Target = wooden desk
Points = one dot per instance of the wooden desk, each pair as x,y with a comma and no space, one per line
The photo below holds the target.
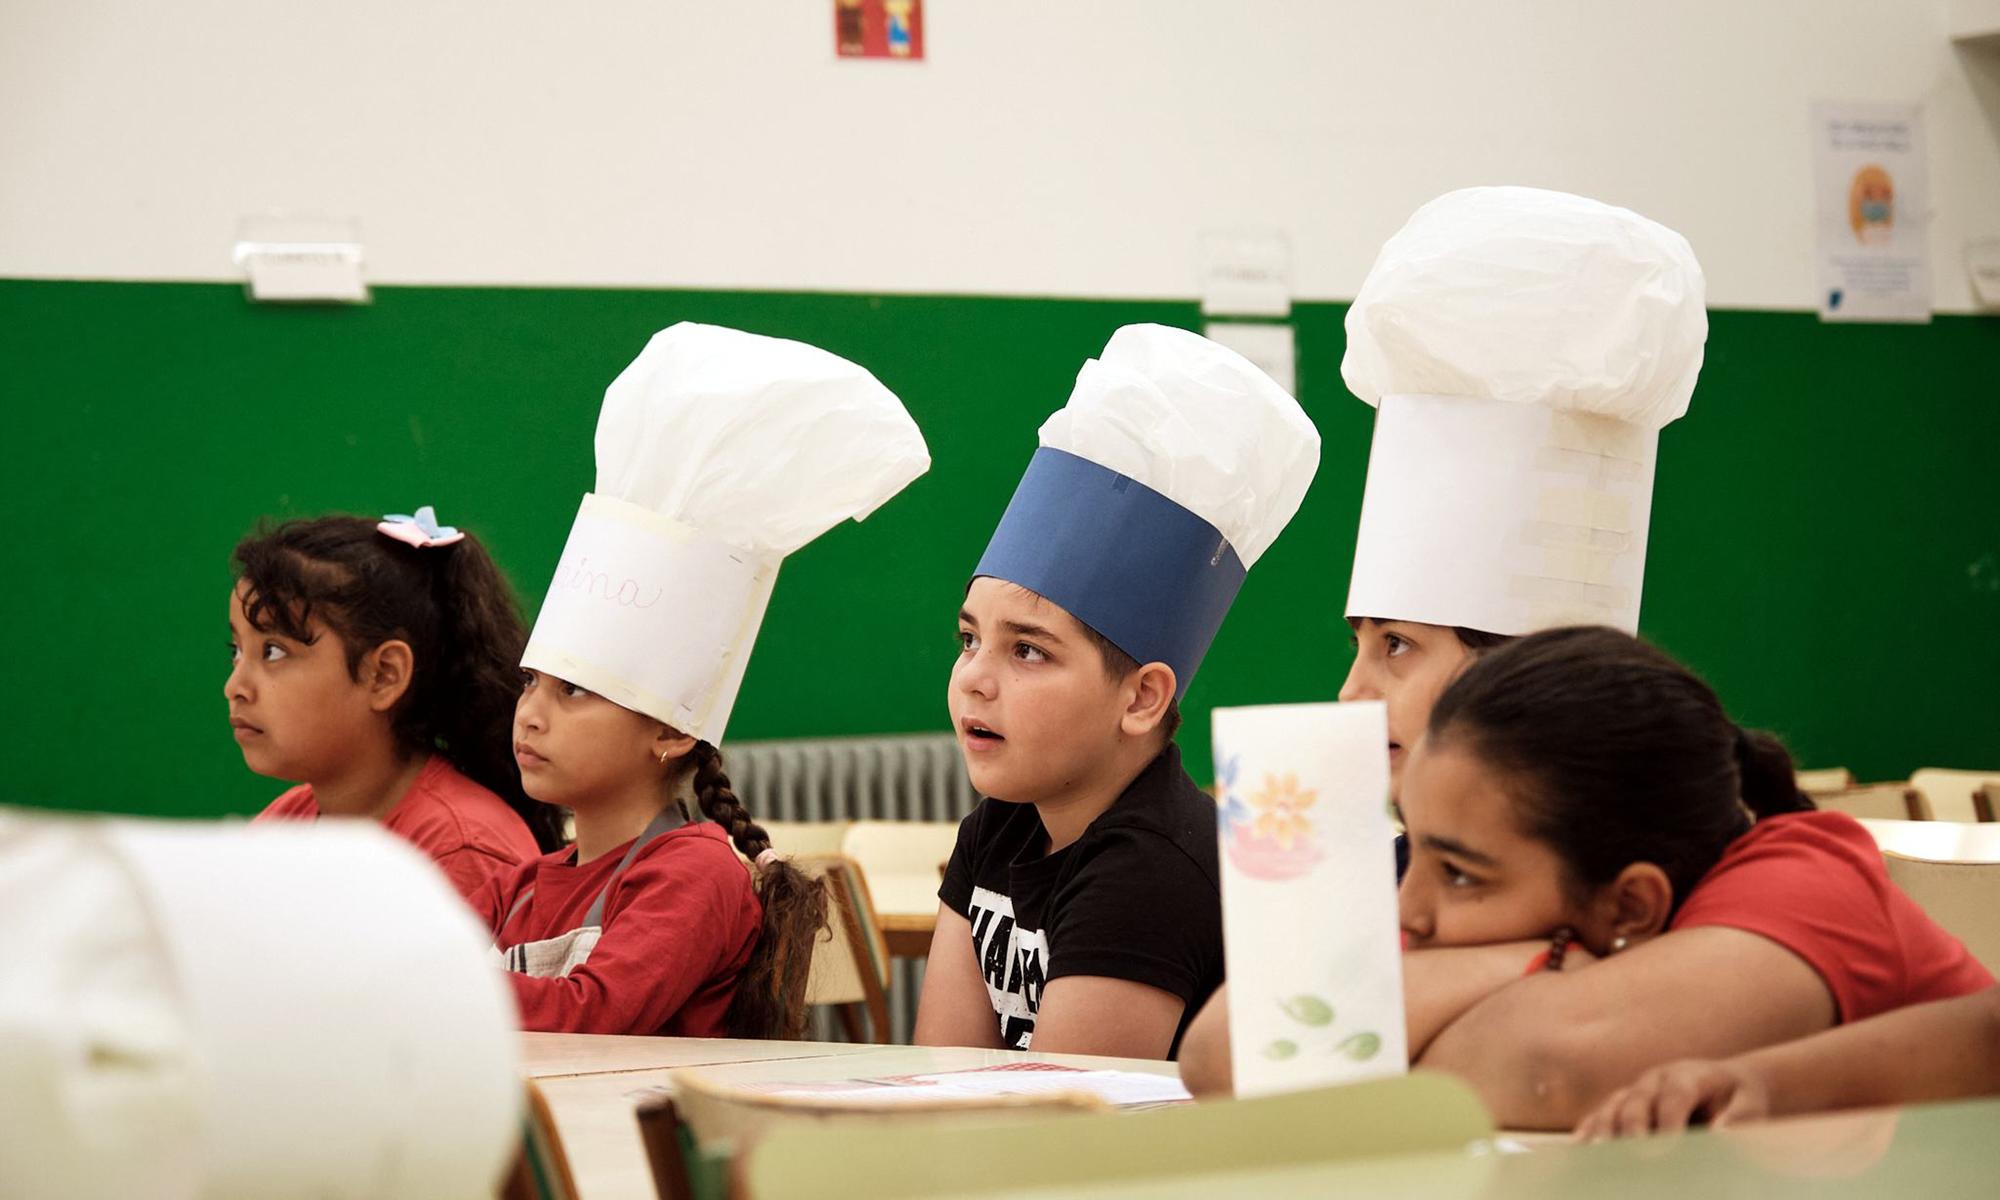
906,905
1946,1150
908,935
1942,841
594,1112
546,1055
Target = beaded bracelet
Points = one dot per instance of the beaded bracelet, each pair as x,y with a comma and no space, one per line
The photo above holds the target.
1551,957
1559,946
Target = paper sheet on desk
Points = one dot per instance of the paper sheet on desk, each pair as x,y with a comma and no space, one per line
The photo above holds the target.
1123,1089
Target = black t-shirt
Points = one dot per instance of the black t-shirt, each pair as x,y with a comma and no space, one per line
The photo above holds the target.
1136,897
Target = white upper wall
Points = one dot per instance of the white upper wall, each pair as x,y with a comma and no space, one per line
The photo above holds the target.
1046,148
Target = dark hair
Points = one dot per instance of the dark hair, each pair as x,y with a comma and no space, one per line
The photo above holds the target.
1615,753
450,603
770,996
1474,640
1118,664
1478,639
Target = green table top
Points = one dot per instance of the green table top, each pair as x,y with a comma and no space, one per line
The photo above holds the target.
1934,1150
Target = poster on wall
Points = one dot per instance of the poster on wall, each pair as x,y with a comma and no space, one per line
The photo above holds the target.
879,29
1872,193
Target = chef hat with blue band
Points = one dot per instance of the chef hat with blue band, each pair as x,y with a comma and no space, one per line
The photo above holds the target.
1174,466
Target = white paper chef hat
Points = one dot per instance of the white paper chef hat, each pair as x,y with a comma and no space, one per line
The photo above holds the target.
718,454
195,1009
1174,466
1523,349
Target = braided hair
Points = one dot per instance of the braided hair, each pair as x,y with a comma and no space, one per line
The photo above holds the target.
770,997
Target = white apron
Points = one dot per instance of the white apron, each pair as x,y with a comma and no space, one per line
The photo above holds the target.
553,958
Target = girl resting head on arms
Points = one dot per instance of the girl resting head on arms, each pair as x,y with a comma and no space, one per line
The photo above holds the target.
1581,790
1607,873
1583,781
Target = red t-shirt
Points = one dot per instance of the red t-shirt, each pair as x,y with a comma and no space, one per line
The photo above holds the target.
1814,883
467,830
678,927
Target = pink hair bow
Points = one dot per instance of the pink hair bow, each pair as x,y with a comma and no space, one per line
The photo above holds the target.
421,530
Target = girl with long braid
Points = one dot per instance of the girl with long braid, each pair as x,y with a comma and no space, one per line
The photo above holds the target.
718,454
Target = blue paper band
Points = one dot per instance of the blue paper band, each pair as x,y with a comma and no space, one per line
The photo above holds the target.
1152,577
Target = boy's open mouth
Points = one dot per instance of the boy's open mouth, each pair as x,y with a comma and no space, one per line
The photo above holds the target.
980,731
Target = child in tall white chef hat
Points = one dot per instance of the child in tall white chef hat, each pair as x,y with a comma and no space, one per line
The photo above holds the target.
1523,349
718,454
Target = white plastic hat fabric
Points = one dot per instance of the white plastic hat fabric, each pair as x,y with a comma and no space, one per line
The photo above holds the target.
756,441
1523,348
1532,297
220,1011
1199,424
718,453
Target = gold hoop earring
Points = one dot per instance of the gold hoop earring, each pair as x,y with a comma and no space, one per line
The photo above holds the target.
664,756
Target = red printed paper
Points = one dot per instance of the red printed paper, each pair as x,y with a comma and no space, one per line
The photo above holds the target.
879,29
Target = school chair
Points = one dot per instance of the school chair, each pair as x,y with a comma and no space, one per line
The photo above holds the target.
806,837
681,1169
1954,795
1962,897
904,862
541,1171
1162,1147
850,967
917,849
903,849
1882,801
1940,841
696,1141
1825,779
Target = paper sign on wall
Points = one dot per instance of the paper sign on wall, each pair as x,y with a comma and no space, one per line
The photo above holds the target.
1310,931
295,258
879,29
1245,273
1872,193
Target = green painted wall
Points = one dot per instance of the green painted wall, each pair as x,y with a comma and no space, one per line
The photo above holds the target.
1825,546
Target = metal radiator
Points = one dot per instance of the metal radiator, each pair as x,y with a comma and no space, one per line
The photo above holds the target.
905,777
901,777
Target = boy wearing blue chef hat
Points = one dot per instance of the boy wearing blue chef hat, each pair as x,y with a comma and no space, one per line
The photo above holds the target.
1080,910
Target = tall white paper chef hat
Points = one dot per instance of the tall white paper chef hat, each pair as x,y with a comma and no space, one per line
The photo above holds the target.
718,454
288,1010
1174,466
1523,349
